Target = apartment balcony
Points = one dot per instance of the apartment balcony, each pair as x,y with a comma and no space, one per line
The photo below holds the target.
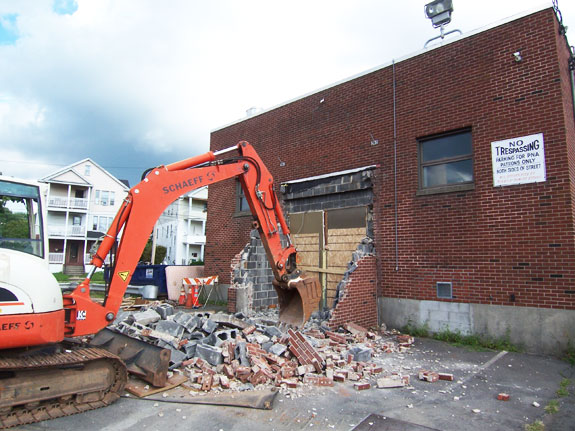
88,258
67,231
56,202
193,215
56,258
194,239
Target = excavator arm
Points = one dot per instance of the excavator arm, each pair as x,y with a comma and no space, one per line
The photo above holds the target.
298,296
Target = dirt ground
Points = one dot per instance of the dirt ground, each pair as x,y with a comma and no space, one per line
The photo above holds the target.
469,402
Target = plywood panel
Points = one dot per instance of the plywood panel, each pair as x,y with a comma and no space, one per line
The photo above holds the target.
307,246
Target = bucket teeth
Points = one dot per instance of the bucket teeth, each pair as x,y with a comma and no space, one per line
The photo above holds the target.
298,299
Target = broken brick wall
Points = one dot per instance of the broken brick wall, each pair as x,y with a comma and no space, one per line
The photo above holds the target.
335,202
357,300
251,270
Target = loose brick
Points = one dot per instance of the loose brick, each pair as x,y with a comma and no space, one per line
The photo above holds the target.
317,380
362,386
249,330
207,380
503,397
445,376
338,377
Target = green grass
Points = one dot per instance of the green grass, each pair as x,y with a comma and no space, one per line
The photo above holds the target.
61,277
535,426
563,390
472,341
415,330
98,277
552,407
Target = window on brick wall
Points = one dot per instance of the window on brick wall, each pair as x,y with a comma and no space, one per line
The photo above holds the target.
445,162
242,206
444,289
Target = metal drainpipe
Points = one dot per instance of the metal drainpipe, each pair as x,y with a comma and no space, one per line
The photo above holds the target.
395,170
573,85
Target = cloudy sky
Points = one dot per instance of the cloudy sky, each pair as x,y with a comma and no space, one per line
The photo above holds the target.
137,83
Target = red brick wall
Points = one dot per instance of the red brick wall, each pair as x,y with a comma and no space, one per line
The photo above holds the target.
358,304
492,243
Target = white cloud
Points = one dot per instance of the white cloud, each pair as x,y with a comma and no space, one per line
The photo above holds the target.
137,83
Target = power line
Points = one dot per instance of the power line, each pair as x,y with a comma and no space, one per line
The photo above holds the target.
62,165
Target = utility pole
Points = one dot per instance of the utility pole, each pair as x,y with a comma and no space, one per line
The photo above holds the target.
154,235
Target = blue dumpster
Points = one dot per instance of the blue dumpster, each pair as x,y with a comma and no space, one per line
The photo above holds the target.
146,275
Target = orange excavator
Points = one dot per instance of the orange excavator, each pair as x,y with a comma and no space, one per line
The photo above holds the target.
46,368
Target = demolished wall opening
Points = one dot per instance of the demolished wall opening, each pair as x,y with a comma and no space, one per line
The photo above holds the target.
331,223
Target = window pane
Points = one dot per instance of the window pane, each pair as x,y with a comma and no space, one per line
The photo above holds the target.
448,173
446,147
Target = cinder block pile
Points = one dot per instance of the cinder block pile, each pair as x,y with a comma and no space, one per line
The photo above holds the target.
221,351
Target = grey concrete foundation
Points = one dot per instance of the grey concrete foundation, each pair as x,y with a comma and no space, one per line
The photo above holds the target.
537,330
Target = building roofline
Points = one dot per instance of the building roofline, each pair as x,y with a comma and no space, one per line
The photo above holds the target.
331,174
70,167
535,9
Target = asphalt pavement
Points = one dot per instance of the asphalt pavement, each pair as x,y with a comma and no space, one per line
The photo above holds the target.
469,402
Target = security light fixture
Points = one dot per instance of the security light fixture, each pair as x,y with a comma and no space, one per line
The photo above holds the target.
439,12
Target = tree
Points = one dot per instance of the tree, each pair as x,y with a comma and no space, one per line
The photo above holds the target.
147,253
12,225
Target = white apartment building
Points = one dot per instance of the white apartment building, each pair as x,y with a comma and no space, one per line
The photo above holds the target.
82,200
182,228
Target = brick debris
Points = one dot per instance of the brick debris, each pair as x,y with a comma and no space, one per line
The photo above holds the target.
220,351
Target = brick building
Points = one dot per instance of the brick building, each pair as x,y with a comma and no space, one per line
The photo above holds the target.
438,189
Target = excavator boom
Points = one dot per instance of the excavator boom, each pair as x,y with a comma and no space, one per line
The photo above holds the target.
298,295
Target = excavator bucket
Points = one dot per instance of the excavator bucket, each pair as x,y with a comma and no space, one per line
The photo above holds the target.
298,299
144,360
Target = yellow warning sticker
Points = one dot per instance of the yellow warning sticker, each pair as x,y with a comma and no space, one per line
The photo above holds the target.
124,275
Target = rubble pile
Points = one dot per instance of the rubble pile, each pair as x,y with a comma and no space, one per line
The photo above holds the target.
221,351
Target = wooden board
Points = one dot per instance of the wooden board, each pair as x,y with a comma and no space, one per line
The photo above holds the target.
142,389
341,244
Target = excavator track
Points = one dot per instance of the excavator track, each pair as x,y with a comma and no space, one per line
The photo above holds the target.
37,387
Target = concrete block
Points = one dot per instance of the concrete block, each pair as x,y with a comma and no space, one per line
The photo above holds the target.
190,348
177,356
278,349
273,331
360,353
146,317
211,354
187,320
170,327
390,382
260,338
209,326
164,310
240,352
123,316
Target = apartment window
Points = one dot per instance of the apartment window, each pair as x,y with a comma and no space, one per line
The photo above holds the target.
77,221
101,223
446,162
241,201
87,169
104,197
